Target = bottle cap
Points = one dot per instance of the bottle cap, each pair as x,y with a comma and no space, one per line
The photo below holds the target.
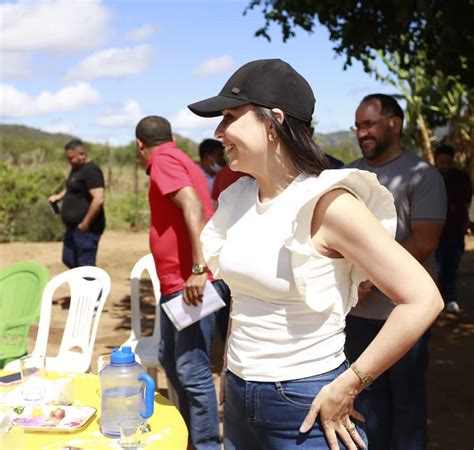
124,356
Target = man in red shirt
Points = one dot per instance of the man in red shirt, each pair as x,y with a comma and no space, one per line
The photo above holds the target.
223,179
180,205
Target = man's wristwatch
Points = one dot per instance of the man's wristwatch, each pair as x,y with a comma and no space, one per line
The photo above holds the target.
199,269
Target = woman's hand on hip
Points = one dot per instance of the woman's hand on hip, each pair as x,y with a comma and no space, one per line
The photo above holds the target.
334,405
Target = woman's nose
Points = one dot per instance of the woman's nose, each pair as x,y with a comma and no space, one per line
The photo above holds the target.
219,133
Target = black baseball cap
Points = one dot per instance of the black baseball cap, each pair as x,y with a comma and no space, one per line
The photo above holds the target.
271,83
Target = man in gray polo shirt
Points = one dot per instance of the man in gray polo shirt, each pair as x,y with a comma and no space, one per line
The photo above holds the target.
395,404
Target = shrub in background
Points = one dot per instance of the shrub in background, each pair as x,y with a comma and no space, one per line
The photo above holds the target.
124,210
20,189
38,223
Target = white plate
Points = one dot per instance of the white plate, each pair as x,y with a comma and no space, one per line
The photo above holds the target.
38,418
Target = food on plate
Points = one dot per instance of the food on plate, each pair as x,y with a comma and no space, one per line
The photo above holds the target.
58,413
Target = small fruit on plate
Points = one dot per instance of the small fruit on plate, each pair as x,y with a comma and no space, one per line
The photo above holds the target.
58,413
19,409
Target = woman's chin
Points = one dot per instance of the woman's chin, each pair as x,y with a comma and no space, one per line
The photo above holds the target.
234,165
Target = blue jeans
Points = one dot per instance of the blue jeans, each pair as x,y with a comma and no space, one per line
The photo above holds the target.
222,320
394,405
185,356
268,415
448,256
80,247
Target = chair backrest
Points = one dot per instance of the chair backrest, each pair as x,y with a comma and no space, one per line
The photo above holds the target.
144,263
89,287
21,288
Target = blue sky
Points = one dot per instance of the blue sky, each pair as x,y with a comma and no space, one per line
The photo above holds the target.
93,68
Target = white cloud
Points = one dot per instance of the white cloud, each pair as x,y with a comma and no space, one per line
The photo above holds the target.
140,33
186,120
112,141
214,66
112,63
127,115
15,103
186,123
60,127
115,142
13,65
62,26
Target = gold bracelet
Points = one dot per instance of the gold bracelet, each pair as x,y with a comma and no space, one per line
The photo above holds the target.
364,378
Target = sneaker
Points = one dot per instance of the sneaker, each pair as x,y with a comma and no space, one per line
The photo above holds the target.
452,307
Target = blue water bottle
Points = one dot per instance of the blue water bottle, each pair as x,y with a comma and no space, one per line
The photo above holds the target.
127,391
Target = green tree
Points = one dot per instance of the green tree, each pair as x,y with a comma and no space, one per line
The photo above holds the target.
437,34
431,101
427,47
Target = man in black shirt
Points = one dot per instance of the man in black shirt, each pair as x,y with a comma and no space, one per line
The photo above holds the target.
451,243
82,209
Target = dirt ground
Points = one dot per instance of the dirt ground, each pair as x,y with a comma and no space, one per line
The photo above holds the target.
451,394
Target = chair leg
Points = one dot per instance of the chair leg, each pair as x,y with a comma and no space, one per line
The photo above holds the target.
172,395
153,372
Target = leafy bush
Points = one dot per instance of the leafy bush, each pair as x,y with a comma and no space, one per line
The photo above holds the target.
22,188
123,210
37,223
25,213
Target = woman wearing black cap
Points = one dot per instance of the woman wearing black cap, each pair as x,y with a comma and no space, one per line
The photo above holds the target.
293,244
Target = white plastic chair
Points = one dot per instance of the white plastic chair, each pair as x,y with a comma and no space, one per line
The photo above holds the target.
146,347
89,287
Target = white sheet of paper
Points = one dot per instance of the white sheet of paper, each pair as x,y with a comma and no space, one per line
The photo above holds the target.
183,315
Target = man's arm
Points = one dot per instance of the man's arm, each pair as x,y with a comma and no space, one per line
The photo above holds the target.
94,208
57,197
422,241
188,201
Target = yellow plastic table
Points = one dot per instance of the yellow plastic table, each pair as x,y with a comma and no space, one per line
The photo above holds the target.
167,428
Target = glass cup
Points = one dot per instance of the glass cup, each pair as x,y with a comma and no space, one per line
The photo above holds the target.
11,436
4,418
64,391
131,432
102,361
14,437
33,377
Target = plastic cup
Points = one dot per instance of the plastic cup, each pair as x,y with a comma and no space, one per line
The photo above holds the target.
102,361
33,377
131,432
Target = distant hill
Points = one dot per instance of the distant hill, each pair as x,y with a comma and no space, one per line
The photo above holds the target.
340,144
19,139
32,134
188,145
336,139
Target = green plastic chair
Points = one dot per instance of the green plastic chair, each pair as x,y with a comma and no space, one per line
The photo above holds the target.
21,289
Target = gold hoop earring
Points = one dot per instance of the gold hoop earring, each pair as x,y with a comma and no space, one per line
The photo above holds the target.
270,137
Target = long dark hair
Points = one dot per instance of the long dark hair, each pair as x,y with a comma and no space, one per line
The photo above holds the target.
298,140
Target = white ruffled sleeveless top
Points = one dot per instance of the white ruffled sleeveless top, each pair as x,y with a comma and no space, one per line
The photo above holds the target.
289,301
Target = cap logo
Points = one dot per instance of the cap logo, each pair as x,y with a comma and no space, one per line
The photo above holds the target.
235,90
